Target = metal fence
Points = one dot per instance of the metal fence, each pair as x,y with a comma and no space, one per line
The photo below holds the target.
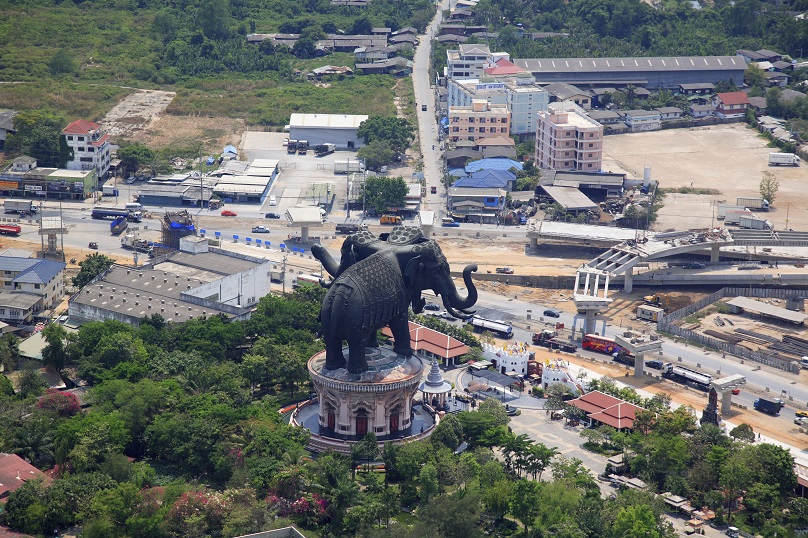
665,324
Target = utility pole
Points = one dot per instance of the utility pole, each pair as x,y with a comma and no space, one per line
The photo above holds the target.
788,208
283,274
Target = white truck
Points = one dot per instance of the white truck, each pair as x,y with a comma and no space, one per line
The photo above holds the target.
132,242
346,167
786,159
760,204
734,217
109,190
754,224
723,208
19,206
276,276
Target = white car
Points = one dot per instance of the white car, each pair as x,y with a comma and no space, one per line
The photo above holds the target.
285,141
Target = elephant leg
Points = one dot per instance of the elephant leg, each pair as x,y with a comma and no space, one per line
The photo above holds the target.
334,358
357,362
400,328
373,339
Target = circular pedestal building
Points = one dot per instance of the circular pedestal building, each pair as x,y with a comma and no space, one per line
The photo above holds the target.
379,400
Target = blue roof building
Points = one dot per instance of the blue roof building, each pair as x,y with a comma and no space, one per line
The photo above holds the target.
493,164
488,179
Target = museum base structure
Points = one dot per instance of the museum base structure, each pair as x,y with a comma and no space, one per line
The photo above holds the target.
380,400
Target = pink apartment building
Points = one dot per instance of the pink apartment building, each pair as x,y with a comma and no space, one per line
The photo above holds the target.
568,139
480,120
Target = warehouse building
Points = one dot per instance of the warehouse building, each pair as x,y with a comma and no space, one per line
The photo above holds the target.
337,129
653,72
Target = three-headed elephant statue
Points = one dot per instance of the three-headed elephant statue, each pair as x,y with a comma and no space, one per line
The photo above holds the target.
377,291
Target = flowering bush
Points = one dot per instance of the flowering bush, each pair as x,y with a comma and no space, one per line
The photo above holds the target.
197,513
64,404
309,509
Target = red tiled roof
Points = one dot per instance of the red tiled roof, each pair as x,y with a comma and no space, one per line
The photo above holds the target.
81,127
504,67
733,98
437,343
594,402
100,141
618,416
15,471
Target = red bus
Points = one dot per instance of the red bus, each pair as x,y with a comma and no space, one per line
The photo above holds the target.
601,344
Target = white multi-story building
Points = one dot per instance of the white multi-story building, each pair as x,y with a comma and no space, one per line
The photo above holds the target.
89,146
568,139
468,61
520,94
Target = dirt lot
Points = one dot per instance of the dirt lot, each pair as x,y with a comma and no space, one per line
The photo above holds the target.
136,112
730,158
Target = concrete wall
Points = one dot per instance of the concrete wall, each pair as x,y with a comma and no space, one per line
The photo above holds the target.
322,135
242,289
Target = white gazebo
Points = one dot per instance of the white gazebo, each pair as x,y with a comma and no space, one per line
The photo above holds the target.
435,386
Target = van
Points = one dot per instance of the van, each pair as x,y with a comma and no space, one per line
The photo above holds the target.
804,362
273,200
134,206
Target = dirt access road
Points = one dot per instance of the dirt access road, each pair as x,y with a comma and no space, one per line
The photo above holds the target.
730,158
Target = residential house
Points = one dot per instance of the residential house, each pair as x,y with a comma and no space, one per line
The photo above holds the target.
761,55
605,117
703,111
599,98
568,139
460,14
397,66
454,39
405,30
456,158
697,88
476,205
785,67
595,185
372,54
731,105
381,31
561,91
480,120
773,78
331,70
29,287
789,96
88,145
460,29
405,39
23,164
488,179
14,472
497,146
6,125
669,112
467,61
758,105
642,120
493,164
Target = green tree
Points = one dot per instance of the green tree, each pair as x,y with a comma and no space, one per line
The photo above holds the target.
54,354
382,193
376,154
397,132
635,522
37,135
134,156
214,18
34,441
743,432
92,266
428,485
525,502
62,62
769,187
30,382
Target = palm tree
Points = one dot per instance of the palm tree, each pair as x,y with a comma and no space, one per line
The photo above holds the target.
33,441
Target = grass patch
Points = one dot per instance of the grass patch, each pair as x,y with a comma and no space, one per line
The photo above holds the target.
271,103
407,519
336,58
690,190
69,99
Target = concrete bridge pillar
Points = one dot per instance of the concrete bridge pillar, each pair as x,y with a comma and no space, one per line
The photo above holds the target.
534,242
639,364
304,234
628,281
589,321
726,402
715,253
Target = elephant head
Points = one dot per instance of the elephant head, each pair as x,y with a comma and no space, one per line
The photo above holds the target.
425,267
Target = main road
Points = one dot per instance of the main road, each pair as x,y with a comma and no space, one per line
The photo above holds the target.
423,88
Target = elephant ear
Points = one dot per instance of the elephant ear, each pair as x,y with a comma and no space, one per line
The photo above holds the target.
411,278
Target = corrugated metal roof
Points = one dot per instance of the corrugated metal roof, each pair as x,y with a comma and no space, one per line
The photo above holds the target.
331,121
493,164
769,310
570,198
637,64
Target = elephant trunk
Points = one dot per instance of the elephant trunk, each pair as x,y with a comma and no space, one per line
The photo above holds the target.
452,300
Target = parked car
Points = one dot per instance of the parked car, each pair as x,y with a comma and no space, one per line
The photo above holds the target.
431,306
260,230
695,265
552,313
285,141
272,216
228,213
504,270
802,414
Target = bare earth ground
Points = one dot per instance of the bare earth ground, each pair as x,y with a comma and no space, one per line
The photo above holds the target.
730,158
136,112
214,133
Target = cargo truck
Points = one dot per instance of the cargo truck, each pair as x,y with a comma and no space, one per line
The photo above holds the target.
276,276
302,147
324,149
650,313
723,208
112,213
734,217
109,190
129,241
787,159
19,206
345,167
754,224
771,406
10,229
291,147
686,376
759,204
350,228
118,225
497,328
390,219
